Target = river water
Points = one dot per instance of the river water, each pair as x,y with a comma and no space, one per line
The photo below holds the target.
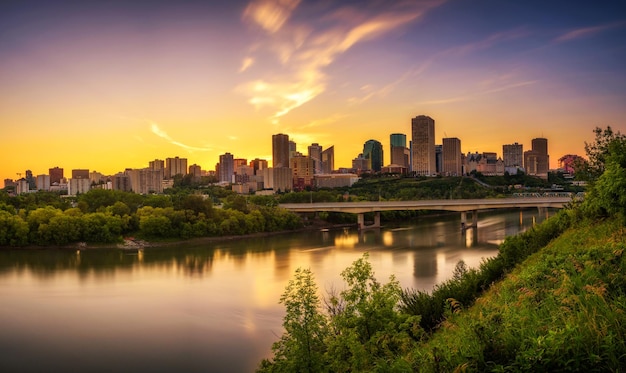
210,307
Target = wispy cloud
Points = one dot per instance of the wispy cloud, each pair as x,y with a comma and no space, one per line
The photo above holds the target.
304,48
585,32
370,91
500,84
246,63
270,15
162,134
486,43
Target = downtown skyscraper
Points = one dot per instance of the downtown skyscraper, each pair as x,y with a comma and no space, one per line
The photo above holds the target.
423,145
280,150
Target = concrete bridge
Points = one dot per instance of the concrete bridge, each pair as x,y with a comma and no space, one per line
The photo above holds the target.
460,205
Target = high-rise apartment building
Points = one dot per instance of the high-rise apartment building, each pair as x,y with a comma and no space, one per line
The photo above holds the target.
423,145
451,157
280,150
315,153
328,160
399,152
226,168
56,175
373,152
175,166
157,164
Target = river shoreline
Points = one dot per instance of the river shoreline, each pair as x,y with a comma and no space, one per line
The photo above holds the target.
132,243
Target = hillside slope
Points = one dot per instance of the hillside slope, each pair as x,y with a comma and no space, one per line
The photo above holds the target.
563,309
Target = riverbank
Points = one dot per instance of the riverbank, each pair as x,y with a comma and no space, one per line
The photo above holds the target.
134,243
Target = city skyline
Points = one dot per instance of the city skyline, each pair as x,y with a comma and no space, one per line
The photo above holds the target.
109,86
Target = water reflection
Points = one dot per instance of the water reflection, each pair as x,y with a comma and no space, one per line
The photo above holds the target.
208,306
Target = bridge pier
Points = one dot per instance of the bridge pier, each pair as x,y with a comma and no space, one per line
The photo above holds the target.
464,224
361,221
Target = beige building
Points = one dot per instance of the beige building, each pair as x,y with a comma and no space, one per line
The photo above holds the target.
78,186
145,180
335,180
277,179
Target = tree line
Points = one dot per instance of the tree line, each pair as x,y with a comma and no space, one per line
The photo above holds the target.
106,216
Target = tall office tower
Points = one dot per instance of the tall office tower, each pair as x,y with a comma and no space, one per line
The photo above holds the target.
328,160
56,174
303,170
373,152
32,182
451,156
399,151
226,167
315,153
537,160
513,155
423,145
175,166
280,150
80,174
258,164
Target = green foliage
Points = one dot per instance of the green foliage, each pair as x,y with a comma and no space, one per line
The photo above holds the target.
608,193
362,330
301,348
597,153
13,229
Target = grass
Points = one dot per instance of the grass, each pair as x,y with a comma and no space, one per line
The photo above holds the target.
562,310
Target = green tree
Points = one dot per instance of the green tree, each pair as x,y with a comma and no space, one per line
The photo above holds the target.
368,328
608,193
301,348
13,230
597,153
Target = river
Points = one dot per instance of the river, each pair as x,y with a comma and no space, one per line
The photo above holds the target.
210,307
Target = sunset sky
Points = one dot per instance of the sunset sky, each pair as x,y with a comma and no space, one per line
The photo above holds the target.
107,85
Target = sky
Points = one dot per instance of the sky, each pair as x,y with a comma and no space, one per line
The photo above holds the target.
110,85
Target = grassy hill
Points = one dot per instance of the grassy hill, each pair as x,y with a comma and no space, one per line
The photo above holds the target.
563,309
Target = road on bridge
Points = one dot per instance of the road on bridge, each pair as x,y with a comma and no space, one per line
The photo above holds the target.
460,205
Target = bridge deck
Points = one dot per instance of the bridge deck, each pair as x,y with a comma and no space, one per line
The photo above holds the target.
459,205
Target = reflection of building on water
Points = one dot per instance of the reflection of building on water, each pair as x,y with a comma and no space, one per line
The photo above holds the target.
424,264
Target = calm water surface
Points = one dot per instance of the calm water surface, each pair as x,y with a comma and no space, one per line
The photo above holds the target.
206,307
